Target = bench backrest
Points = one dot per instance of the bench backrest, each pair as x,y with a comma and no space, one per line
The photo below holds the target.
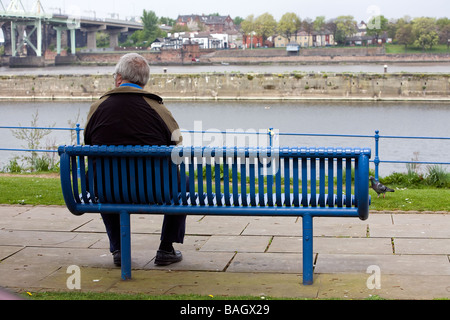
319,180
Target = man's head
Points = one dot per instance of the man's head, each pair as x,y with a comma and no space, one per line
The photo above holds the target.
132,68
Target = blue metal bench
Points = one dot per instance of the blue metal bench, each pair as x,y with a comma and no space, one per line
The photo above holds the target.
305,182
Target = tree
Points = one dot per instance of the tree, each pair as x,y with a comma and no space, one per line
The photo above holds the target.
345,27
425,33
167,21
265,26
149,33
248,26
444,31
237,21
404,34
319,23
289,25
377,26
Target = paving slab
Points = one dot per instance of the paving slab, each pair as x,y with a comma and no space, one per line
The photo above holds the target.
422,246
6,251
334,245
49,238
271,226
237,243
388,264
267,262
46,219
217,225
197,261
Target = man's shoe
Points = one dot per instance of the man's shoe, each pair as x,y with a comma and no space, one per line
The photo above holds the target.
117,258
164,258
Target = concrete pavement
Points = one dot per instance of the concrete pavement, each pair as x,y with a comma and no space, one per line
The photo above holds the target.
392,255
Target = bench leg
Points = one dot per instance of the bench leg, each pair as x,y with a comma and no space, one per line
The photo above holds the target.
308,271
125,245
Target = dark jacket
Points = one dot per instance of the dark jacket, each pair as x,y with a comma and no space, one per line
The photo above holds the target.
130,116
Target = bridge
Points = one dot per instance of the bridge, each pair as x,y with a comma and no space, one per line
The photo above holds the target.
29,26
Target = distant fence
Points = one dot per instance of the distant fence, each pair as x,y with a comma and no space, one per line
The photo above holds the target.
270,135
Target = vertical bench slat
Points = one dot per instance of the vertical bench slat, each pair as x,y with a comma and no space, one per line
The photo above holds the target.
261,183
91,182
192,196
83,180
149,179
305,202
243,181
295,180
75,179
175,183
287,182
330,182
356,181
270,172
234,177
278,185
141,180
322,182
209,181
313,181
125,186
107,176
166,179
339,183
226,181
157,186
99,173
183,182
252,181
217,180
201,198
115,179
132,176
348,182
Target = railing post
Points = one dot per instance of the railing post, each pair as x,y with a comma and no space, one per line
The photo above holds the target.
377,158
271,134
78,130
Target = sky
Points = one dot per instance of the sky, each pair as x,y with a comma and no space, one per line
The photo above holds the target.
360,9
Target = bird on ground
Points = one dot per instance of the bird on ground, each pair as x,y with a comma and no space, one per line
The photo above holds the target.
379,187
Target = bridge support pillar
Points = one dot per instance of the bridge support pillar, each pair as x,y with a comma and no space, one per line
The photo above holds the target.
16,46
59,30
114,36
92,36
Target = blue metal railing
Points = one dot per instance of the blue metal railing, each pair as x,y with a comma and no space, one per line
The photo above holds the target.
270,134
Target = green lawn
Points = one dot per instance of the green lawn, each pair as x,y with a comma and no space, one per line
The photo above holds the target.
46,190
400,49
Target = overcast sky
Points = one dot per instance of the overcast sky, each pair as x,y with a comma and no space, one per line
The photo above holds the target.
360,9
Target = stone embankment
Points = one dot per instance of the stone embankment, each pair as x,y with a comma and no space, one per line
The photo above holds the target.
237,86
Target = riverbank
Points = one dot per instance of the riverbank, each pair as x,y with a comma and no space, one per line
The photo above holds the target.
238,86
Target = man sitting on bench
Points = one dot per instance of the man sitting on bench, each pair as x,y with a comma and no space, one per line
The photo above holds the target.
129,115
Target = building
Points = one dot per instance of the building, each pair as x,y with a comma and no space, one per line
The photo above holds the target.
208,23
305,40
205,40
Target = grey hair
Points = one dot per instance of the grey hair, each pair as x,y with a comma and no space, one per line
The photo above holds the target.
133,68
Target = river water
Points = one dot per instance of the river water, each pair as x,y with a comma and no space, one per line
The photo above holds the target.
356,118
273,68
